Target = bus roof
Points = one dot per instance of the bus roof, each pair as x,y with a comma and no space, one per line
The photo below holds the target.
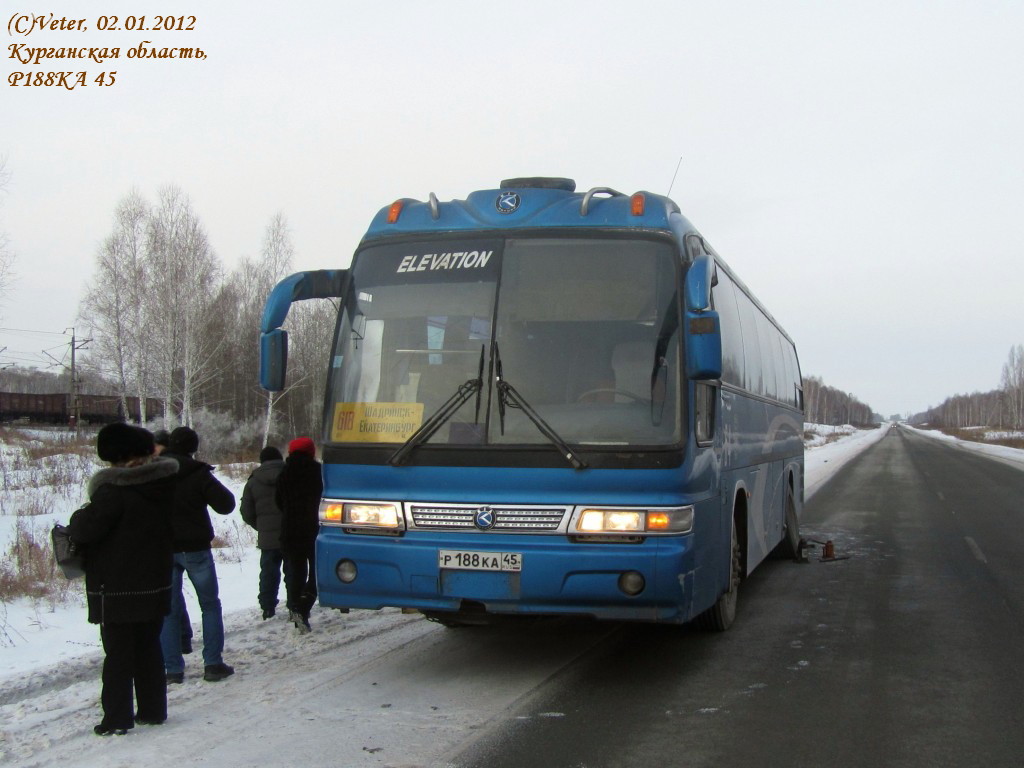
525,203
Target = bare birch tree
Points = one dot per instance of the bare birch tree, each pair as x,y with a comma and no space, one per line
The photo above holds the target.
250,284
275,263
114,301
185,274
1013,386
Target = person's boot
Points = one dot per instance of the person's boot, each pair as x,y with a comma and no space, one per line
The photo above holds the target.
215,672
301,622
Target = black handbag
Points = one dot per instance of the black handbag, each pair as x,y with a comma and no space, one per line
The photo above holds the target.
70,556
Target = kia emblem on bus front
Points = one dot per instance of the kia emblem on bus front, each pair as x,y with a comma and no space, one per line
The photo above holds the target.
507,202
484,518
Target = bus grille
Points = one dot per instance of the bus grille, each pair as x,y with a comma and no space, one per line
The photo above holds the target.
506,519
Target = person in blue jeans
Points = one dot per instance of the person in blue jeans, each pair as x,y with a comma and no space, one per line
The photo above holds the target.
196,492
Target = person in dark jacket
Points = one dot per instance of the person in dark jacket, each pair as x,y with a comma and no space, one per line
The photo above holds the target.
259,510
197,488
299,489
126,529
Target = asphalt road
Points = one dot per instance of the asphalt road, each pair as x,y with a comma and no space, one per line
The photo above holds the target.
904,651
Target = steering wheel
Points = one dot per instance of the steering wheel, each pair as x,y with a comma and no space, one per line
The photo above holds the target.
614,391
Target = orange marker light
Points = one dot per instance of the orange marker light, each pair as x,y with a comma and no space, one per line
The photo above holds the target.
394,211
657,521
330,512
636,204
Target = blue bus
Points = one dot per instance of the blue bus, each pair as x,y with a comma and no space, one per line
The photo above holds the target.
547,402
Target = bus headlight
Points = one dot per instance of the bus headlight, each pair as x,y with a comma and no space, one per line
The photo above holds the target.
361,514
670,520
609,520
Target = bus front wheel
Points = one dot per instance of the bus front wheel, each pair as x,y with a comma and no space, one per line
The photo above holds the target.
721,615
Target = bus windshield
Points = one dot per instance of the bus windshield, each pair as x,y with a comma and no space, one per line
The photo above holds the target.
585,330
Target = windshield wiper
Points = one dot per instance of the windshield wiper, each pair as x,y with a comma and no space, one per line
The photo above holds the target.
446,410
509,397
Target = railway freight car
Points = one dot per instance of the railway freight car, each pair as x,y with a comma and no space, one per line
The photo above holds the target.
57,408
36,409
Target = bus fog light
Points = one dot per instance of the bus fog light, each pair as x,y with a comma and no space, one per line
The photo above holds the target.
632,583
346,571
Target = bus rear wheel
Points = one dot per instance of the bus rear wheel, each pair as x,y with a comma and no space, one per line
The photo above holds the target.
789,547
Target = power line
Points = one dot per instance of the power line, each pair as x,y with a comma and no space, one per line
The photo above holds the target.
26,330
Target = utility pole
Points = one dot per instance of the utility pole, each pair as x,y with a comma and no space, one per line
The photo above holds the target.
76,408
76,403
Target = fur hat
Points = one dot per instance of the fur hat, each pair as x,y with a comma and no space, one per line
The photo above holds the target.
270,453
302,445
119,442
184,440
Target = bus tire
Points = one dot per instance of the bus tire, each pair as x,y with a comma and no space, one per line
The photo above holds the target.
721,615
789,547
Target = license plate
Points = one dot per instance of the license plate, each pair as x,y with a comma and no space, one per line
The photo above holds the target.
464,560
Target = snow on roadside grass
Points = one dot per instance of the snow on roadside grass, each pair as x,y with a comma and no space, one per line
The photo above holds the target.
38,633
816,435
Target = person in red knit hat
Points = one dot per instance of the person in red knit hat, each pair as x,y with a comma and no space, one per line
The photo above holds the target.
299,489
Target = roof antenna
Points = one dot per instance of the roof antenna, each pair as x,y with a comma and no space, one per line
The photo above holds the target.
673,183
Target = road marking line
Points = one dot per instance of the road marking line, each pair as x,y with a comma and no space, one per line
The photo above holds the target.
975,549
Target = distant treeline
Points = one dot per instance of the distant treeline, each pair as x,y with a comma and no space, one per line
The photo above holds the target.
1001,408
827,405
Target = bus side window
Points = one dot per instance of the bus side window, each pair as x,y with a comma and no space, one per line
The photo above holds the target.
704,412
723,296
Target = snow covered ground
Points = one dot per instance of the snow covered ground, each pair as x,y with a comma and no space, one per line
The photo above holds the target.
363,689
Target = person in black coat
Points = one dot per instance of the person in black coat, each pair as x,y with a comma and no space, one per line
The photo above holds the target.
299,489
259,509
197,488
126,530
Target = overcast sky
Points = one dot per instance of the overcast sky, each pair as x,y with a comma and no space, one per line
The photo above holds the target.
860,165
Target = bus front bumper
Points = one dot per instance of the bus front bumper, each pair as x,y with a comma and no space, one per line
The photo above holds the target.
555,575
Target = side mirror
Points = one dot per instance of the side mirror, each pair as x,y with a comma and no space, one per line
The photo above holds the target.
703,330
319,284
273,359
697,289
